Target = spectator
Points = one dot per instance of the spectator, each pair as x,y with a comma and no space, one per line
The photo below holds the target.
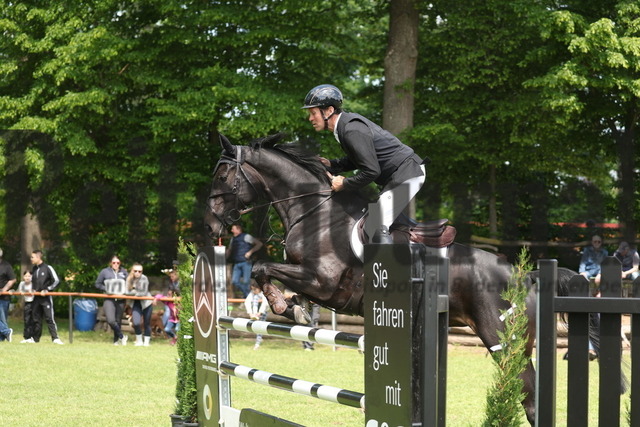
174,282
7,280
44,280
256,305
173,323
239,252
138,285
315,318
174,288
305,304
629,259
592,258
112,280
27,286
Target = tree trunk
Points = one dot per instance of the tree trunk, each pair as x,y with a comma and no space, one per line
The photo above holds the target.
493,203
626,157
400,66
30,240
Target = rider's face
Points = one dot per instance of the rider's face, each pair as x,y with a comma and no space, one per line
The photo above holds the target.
316,119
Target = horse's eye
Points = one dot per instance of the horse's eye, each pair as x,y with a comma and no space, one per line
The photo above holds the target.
223,178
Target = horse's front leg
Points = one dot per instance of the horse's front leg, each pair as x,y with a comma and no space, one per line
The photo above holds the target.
286,273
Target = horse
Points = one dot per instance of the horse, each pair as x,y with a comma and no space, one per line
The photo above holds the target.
321,265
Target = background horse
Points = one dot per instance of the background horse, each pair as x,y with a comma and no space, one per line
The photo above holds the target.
320,263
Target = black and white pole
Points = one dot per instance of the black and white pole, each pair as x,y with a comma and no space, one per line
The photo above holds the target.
299,333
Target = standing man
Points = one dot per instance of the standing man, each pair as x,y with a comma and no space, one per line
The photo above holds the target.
7,280
239,252
375,153
112,280
44,280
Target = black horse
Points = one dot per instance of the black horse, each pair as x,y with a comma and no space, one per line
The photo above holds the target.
320,263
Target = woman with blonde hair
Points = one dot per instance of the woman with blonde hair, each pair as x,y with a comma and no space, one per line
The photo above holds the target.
138,285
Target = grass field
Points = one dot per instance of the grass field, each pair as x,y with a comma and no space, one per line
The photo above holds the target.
94,383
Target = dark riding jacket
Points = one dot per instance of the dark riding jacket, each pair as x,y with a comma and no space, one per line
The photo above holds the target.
44,278
378,155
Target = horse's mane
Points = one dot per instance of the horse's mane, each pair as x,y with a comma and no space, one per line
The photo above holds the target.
295,152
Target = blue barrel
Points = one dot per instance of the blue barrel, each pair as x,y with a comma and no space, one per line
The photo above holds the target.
85,314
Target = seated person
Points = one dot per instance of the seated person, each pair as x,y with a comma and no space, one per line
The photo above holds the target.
629,259
592,258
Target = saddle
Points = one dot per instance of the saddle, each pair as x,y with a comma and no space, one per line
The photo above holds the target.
435,234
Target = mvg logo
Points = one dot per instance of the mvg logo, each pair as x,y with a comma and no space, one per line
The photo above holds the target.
207,357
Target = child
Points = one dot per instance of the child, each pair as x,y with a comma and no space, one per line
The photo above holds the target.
173,323
256,305
26,286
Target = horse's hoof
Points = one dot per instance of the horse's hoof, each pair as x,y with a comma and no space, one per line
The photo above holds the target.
274,297
301,316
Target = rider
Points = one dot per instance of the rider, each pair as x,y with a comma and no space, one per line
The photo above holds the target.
375,153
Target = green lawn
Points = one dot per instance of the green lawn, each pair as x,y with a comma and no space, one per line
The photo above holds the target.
92,382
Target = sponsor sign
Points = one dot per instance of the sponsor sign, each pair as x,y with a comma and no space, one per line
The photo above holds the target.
206,335
388,325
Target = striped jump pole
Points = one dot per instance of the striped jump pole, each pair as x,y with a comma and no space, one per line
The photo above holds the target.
297,332
319,391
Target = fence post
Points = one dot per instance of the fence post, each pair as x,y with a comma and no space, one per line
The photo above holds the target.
435,326
546,343
70,319
610,348
578,369
635,358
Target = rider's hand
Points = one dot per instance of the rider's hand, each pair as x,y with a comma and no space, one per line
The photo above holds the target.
325,162
336,183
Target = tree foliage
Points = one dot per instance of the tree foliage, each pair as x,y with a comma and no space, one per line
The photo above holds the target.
134,93
505,393
517,104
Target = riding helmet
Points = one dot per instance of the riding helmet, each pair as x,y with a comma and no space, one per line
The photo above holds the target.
323,96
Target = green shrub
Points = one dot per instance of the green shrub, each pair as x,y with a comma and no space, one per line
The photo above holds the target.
186,391
505,395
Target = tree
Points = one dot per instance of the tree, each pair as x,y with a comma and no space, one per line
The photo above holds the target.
473,110
400,66
134,93
493,115
594,88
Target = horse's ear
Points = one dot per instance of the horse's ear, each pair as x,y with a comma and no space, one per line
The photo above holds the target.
272,140
227,145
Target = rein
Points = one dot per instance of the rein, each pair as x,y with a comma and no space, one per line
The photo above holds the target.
273,202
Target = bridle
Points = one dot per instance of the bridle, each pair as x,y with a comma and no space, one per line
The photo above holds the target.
233,215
